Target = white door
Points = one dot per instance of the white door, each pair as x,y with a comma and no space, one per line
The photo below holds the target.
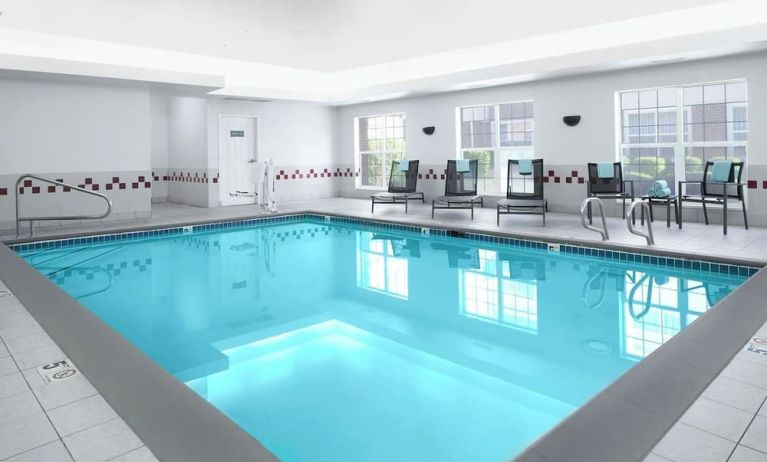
237,159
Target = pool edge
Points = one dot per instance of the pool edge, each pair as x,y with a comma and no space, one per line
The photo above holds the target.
580,431
171,419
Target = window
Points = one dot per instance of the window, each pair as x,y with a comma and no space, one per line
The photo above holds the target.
493,134
380,141
489,293
670,133
661,307
378,269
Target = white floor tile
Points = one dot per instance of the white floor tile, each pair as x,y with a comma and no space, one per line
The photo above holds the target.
747,372
744,454
77,416
12,384
38,357
16,406
142,454
7,366
51,452
58,394
717,418
684,443
24,434
736,394
756,435
29,342
102,442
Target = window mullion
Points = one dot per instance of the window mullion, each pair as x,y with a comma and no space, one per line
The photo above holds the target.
680,171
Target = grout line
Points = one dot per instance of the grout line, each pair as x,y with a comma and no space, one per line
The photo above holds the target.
746,431
37,400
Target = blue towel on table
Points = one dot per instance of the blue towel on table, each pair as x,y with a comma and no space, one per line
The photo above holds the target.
661,192
659,188
605,170
525,166
462,165
404,165
720,171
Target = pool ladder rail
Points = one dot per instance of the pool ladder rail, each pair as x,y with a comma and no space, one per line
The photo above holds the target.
585,210
630,223
32,219
585,213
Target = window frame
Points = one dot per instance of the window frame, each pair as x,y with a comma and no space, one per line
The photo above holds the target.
681,144
358,153
499,170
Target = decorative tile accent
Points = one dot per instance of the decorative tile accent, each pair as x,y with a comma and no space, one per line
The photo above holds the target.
674,262
35,187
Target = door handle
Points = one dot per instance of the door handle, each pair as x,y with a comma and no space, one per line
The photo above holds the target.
252,161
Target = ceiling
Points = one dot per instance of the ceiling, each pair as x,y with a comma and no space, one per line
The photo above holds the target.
321,35
347,50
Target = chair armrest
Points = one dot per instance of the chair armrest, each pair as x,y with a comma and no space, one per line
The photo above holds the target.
680,192
631,183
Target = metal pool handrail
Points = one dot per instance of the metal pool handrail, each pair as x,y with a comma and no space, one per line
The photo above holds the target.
31,220
645,211
584,206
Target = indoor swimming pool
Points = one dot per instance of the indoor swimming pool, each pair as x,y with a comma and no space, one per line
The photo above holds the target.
333,340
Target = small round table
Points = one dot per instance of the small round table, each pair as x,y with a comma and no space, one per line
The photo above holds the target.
668,202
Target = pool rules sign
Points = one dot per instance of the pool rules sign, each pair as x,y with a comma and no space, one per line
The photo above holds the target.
57,372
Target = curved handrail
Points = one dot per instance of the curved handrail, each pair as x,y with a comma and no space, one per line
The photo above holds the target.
646,211
648,301
602,292
584,205
31,220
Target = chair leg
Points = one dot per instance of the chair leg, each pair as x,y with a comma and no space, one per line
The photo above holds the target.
432,210
624,208
406,201
745,215
544,215
588,212
705,213
679,212
498,216
472,210
372,205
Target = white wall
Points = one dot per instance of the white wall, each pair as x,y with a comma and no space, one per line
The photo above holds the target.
298,136
564,148
159,141
187,149
82,133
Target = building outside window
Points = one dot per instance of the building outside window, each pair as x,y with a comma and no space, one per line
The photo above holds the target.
379,141
493,134
670,133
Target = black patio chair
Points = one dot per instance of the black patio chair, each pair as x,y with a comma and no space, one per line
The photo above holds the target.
460,189
524,192
712,192
402,187
612,187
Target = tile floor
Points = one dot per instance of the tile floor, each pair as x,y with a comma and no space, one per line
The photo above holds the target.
43,421
70,420
728,422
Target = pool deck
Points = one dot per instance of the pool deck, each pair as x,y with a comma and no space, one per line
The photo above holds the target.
694,238
723,411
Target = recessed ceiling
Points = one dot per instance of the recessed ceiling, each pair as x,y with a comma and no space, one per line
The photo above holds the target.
344,51
322,35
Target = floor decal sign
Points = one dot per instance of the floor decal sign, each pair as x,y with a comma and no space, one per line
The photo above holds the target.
57,372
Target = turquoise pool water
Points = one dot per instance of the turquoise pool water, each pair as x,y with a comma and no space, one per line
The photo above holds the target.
331,342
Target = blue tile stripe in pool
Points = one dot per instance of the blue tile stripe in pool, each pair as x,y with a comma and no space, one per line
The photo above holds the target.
681,263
